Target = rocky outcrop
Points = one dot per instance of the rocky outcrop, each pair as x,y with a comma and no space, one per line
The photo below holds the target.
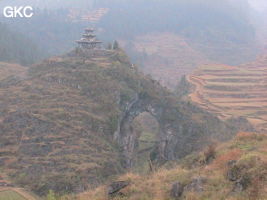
239,176
177,190
196,185
115,187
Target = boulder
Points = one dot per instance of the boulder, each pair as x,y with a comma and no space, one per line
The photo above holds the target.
115,187
177,190
231,163
196,185
234,173
242,184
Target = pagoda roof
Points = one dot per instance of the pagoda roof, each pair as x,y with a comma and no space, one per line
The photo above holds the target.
89,29
89,35
88,42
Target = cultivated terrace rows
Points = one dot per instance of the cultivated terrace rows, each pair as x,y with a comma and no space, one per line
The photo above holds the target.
233,91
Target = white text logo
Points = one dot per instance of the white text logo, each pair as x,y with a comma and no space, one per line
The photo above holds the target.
22,12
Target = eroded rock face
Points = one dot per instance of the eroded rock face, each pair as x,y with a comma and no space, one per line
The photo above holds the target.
183,128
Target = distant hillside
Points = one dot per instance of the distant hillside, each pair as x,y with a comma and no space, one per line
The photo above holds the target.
165,56
204,30
218,29
16,48
67,124
233,91
188,34
234,171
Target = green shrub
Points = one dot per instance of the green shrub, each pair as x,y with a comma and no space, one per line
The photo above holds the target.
51,195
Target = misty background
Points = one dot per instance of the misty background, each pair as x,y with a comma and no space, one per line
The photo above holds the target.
166,38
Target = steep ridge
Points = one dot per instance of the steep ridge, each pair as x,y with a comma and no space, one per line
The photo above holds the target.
233,91
67,124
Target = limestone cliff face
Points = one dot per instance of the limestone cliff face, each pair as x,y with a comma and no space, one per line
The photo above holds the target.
184,128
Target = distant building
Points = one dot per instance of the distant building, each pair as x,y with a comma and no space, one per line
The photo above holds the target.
89,41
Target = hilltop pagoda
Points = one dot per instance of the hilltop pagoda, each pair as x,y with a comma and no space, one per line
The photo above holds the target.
89,41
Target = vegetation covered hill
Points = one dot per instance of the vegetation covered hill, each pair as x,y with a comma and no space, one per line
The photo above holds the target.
233,91
231,171
57,123
65,125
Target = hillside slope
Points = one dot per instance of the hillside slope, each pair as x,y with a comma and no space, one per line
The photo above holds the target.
66,125
233,91
232,171
52,135
8,70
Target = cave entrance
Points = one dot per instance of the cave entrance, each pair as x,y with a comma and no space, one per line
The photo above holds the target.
147,128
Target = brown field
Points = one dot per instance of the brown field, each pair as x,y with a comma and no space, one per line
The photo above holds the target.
233,91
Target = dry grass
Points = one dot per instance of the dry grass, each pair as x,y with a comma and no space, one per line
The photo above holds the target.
243,150
7,70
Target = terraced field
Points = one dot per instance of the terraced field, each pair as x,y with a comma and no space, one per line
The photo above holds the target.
233,91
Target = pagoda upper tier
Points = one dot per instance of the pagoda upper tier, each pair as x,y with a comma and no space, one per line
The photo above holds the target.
89,41
89,30
89,35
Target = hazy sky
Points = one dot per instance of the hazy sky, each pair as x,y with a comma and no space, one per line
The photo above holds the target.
260,5
49,3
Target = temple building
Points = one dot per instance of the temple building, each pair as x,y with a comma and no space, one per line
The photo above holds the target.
89,41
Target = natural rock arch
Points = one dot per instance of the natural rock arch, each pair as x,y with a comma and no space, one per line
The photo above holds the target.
180,132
